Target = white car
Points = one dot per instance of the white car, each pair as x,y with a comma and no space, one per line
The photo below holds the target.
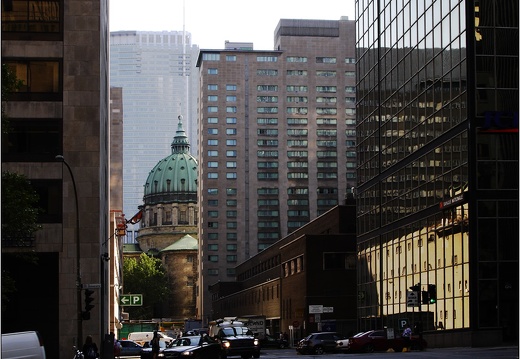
342,345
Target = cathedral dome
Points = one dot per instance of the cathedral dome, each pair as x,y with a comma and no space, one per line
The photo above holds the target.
174,178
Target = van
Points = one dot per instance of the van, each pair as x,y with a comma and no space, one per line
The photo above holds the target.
144,337
23,345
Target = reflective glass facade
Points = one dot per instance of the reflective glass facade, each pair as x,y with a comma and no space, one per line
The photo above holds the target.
437,176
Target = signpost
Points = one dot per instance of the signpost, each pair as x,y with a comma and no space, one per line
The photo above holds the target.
131,300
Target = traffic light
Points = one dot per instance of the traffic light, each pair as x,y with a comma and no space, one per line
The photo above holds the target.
88,306
432,293
425,297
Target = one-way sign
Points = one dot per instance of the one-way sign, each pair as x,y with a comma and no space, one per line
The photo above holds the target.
412,299
129,300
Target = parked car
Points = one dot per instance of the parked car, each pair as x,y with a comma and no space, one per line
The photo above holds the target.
196,346
129,348
273,342
318,343
376,340
342,345
23,345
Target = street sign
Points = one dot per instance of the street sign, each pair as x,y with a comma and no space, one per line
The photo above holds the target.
328,309
128,300
412,299
315,309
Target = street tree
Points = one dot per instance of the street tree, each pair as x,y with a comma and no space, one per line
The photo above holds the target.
145,275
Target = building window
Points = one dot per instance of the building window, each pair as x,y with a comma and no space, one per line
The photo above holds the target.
267,72
231,98
212,131
212,175
212,214
231,153
267,121
231,202
231,131
231,175
267,58
296,59
268,88
32,140
210,56
326,73
212,153
213,191
325,60
212,98
212,142
42,21
231,57
213,271
231,258
212,109
212,87
212,120
231,120
212,224
231,164
231,109
231,191
212,71
231,236
40,79
296,72
231,142
213,247
213,258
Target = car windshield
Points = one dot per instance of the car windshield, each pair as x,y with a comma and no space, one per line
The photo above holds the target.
235,331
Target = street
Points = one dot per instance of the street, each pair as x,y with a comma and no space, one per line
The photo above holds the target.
454,353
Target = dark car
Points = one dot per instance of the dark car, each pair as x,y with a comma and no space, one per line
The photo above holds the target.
376,340
318,343
146,353
129,348
273,342
196,346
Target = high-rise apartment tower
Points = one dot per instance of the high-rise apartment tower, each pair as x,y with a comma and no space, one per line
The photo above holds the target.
276,141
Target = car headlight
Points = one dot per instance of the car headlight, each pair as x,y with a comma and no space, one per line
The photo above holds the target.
226,344
160,355
187,353
256,342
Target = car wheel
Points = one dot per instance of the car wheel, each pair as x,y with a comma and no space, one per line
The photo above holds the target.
369,348
318,350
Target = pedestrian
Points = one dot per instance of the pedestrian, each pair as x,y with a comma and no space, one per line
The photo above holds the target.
117,348
90,349
407,335
155,345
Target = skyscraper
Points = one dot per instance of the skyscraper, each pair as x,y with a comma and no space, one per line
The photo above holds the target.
157,73
276,140
438,168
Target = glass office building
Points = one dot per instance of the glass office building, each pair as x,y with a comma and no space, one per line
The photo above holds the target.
437,148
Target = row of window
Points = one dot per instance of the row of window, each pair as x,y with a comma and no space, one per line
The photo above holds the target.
289,88
275,175
289,110
274,72
275,191
290,99
290,121
274,132
208,56
270,143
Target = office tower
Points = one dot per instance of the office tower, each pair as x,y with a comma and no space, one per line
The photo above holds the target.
276,141
58,50
157,73
437,190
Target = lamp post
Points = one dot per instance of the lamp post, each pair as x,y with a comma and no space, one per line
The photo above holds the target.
78,272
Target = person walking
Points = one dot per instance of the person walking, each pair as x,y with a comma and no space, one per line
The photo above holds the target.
155,345
90,349
407,336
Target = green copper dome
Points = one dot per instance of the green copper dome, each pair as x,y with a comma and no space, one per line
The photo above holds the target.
174,178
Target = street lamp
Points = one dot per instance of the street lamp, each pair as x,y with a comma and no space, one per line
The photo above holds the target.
78,272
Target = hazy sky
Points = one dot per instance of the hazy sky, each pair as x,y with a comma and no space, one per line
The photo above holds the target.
212,22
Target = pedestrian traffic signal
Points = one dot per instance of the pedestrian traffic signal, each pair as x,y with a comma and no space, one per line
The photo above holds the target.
432,293
88,306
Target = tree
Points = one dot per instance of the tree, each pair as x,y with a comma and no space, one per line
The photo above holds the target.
145,276
19,223
10,84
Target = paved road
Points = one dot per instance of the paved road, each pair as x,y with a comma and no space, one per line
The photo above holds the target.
444,353
451,353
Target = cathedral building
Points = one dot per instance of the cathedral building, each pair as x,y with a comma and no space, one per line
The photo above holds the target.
169,224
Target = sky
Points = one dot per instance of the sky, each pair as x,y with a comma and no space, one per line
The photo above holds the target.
212,22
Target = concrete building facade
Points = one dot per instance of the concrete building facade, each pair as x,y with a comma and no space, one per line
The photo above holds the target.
59,51
276,141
